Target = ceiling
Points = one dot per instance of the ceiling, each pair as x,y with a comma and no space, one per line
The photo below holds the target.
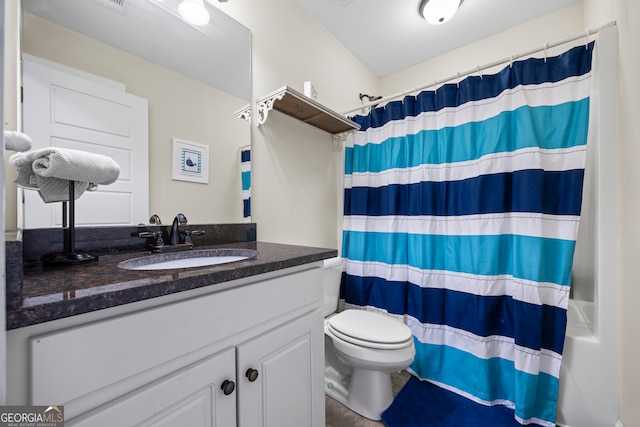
389,35
386,35
154,31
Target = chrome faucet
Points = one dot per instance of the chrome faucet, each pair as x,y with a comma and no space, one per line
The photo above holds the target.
174,236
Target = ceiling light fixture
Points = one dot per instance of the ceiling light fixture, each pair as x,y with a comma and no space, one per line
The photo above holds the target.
194,12
437,12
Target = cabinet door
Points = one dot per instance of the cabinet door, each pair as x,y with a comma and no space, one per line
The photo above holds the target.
192,396
280,376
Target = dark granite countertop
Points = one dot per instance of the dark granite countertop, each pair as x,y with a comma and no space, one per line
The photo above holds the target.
52,294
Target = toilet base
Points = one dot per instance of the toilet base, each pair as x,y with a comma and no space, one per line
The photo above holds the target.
368,392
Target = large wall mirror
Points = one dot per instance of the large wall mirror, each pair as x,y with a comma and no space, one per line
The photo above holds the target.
194,79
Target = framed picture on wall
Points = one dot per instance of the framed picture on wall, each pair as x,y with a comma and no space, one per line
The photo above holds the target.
190,161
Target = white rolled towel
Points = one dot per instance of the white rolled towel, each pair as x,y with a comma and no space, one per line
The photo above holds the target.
17,141
49,171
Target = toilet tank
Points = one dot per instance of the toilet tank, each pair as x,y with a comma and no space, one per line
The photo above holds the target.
331,277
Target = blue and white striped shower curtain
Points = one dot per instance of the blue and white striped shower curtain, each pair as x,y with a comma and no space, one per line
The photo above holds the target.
245,164
461,215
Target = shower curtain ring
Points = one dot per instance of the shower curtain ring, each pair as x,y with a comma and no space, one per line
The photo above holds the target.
435,87
546,46
510,61
480,72
586,40
458,81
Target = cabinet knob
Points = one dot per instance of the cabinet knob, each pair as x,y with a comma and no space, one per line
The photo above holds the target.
252,374
228,387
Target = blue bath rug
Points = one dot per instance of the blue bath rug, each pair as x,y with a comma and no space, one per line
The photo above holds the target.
422,404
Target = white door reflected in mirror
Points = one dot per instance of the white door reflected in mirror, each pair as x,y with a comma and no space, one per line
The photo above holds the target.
86,115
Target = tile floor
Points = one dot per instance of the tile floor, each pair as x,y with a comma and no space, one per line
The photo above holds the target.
337,415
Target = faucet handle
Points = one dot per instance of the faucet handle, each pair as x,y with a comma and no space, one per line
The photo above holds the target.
153,234
189,233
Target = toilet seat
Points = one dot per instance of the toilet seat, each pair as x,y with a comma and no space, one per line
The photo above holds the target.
370,329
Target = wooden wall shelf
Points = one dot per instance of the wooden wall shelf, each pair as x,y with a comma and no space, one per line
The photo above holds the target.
305,109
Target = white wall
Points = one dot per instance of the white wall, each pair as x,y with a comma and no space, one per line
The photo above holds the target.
295,177
11,114
549,28
627,15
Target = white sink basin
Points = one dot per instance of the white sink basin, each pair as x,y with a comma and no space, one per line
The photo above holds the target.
188,259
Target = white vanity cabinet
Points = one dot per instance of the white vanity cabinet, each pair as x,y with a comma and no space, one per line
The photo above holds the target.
192,396
249,355
275,371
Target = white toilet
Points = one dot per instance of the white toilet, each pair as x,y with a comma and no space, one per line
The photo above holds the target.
362,349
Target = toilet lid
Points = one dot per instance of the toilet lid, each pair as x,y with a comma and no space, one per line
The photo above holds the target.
370,327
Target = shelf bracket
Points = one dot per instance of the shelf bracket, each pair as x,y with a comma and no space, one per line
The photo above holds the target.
338,140
265,105
244,113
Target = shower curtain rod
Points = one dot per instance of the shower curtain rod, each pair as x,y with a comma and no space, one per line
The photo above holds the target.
478,69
